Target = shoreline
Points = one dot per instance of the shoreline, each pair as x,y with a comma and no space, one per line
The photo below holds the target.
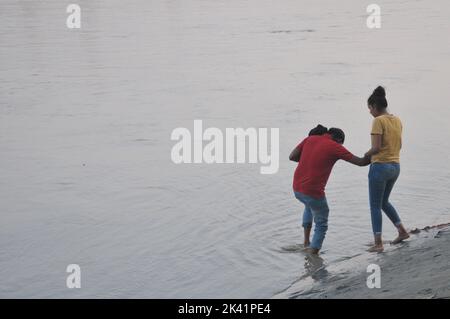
418,268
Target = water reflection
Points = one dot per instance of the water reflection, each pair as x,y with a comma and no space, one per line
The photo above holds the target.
315,267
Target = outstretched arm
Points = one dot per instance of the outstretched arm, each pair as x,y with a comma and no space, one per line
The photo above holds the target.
344,154
360,161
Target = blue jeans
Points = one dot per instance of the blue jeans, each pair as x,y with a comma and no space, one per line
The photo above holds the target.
382,177
318,210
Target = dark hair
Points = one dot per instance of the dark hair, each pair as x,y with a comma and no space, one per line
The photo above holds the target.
318,130
337,134
378,99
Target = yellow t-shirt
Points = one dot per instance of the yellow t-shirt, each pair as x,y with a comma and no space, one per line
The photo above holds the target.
390,129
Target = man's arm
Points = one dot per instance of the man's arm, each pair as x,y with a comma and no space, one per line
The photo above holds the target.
344,154
297,152
360,161
295,155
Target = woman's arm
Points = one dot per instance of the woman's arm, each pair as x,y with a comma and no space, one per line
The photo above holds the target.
376,145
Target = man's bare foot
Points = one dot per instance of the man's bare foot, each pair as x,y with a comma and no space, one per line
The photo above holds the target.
401,237
306,244
376,249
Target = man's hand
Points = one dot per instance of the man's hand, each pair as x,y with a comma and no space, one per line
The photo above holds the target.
367,159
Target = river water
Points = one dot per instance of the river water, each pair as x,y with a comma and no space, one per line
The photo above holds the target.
87,114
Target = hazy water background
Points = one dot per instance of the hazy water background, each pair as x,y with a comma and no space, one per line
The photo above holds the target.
86,118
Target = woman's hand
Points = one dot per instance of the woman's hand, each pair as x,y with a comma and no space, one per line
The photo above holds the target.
376,145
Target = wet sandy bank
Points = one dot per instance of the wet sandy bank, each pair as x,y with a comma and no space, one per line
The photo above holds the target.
417,268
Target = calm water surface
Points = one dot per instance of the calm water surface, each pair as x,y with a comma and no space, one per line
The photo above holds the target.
86,117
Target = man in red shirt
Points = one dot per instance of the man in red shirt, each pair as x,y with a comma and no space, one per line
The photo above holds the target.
316,156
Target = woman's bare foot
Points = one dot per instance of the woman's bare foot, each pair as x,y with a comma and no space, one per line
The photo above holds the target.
378,244
376,249
401,237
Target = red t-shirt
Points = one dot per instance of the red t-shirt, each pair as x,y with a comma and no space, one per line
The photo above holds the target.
318,153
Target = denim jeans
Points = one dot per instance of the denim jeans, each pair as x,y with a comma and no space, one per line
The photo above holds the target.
382,177
318,210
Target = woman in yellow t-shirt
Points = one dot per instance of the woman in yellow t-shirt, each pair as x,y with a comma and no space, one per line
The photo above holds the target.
385,166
